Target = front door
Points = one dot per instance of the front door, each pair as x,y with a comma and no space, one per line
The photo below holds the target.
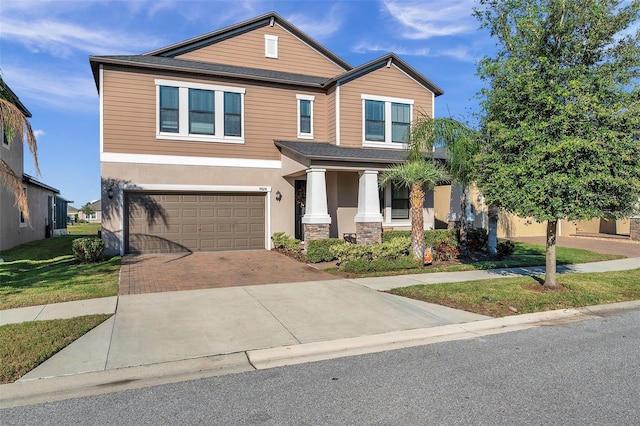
300,199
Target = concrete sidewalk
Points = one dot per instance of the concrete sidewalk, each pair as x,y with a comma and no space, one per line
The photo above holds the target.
162,337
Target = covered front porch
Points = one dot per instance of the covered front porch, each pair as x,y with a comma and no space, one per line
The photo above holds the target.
337,193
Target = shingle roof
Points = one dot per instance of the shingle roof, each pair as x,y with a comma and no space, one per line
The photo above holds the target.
208,68
328,151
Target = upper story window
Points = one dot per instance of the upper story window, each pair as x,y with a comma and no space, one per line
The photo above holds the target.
201,112
386,121
305,116
187,111
271,46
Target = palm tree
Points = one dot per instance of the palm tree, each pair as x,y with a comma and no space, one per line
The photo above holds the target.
461,146
420,171
16,127
417,174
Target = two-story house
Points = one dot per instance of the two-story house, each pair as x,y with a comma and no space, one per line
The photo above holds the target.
47,209
217,142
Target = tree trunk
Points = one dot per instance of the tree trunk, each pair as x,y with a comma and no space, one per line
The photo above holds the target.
462,237
416,198
492,242
550,270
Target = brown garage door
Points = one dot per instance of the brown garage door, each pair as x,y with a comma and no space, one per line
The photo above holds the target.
169,223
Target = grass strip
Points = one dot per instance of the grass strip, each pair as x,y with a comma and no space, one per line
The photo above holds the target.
510,296
45,272
26,345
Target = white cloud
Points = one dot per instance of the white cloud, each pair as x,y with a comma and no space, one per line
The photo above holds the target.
364,47
461,52
62,39
423,20
75,92
38,133
320,27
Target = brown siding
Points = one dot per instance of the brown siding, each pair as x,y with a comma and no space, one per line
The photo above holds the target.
247,50
270,113
331,115
382,82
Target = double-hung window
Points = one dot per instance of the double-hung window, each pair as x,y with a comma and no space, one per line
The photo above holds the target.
187,111
169,112
305,116
386,121
201,112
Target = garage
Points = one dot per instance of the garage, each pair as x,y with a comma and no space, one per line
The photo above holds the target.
191,222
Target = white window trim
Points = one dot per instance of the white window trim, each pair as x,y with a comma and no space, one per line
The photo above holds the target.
267,52
312,100
387,121
183,112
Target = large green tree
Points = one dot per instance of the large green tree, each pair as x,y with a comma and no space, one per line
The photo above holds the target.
16,127
561,111
421,172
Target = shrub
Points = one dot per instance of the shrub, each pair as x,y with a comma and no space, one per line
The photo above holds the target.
285,242
431,237
403,262
434,236
320,250
391,249
505,248
445,250
88,250
476,239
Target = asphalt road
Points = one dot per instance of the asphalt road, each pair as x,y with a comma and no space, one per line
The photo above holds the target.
577,373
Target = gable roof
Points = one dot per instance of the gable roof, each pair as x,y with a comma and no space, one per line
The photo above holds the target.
15,99
263,20
383,61
163,59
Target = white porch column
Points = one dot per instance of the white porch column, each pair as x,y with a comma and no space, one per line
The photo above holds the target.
368,198
316,220
368,219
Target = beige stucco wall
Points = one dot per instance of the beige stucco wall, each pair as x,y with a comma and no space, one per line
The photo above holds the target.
282,213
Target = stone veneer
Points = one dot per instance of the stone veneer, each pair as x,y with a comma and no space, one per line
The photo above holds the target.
368,232
634,228
316,231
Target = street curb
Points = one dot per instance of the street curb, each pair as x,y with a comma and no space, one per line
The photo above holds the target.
319,351
38,391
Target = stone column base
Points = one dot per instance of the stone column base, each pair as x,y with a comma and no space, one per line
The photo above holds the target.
316,231
634,228
368,232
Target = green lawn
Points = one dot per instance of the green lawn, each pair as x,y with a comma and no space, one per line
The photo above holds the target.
83,228
46,271
510,296
26,345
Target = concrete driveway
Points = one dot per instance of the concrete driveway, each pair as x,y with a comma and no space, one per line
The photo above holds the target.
154,273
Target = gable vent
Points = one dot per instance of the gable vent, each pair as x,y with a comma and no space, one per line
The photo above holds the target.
271,46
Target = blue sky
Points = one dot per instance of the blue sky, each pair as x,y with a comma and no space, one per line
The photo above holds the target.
45,45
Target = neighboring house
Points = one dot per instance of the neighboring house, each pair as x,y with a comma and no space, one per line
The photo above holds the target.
447,210
47,209
96,216
72,214
217,142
